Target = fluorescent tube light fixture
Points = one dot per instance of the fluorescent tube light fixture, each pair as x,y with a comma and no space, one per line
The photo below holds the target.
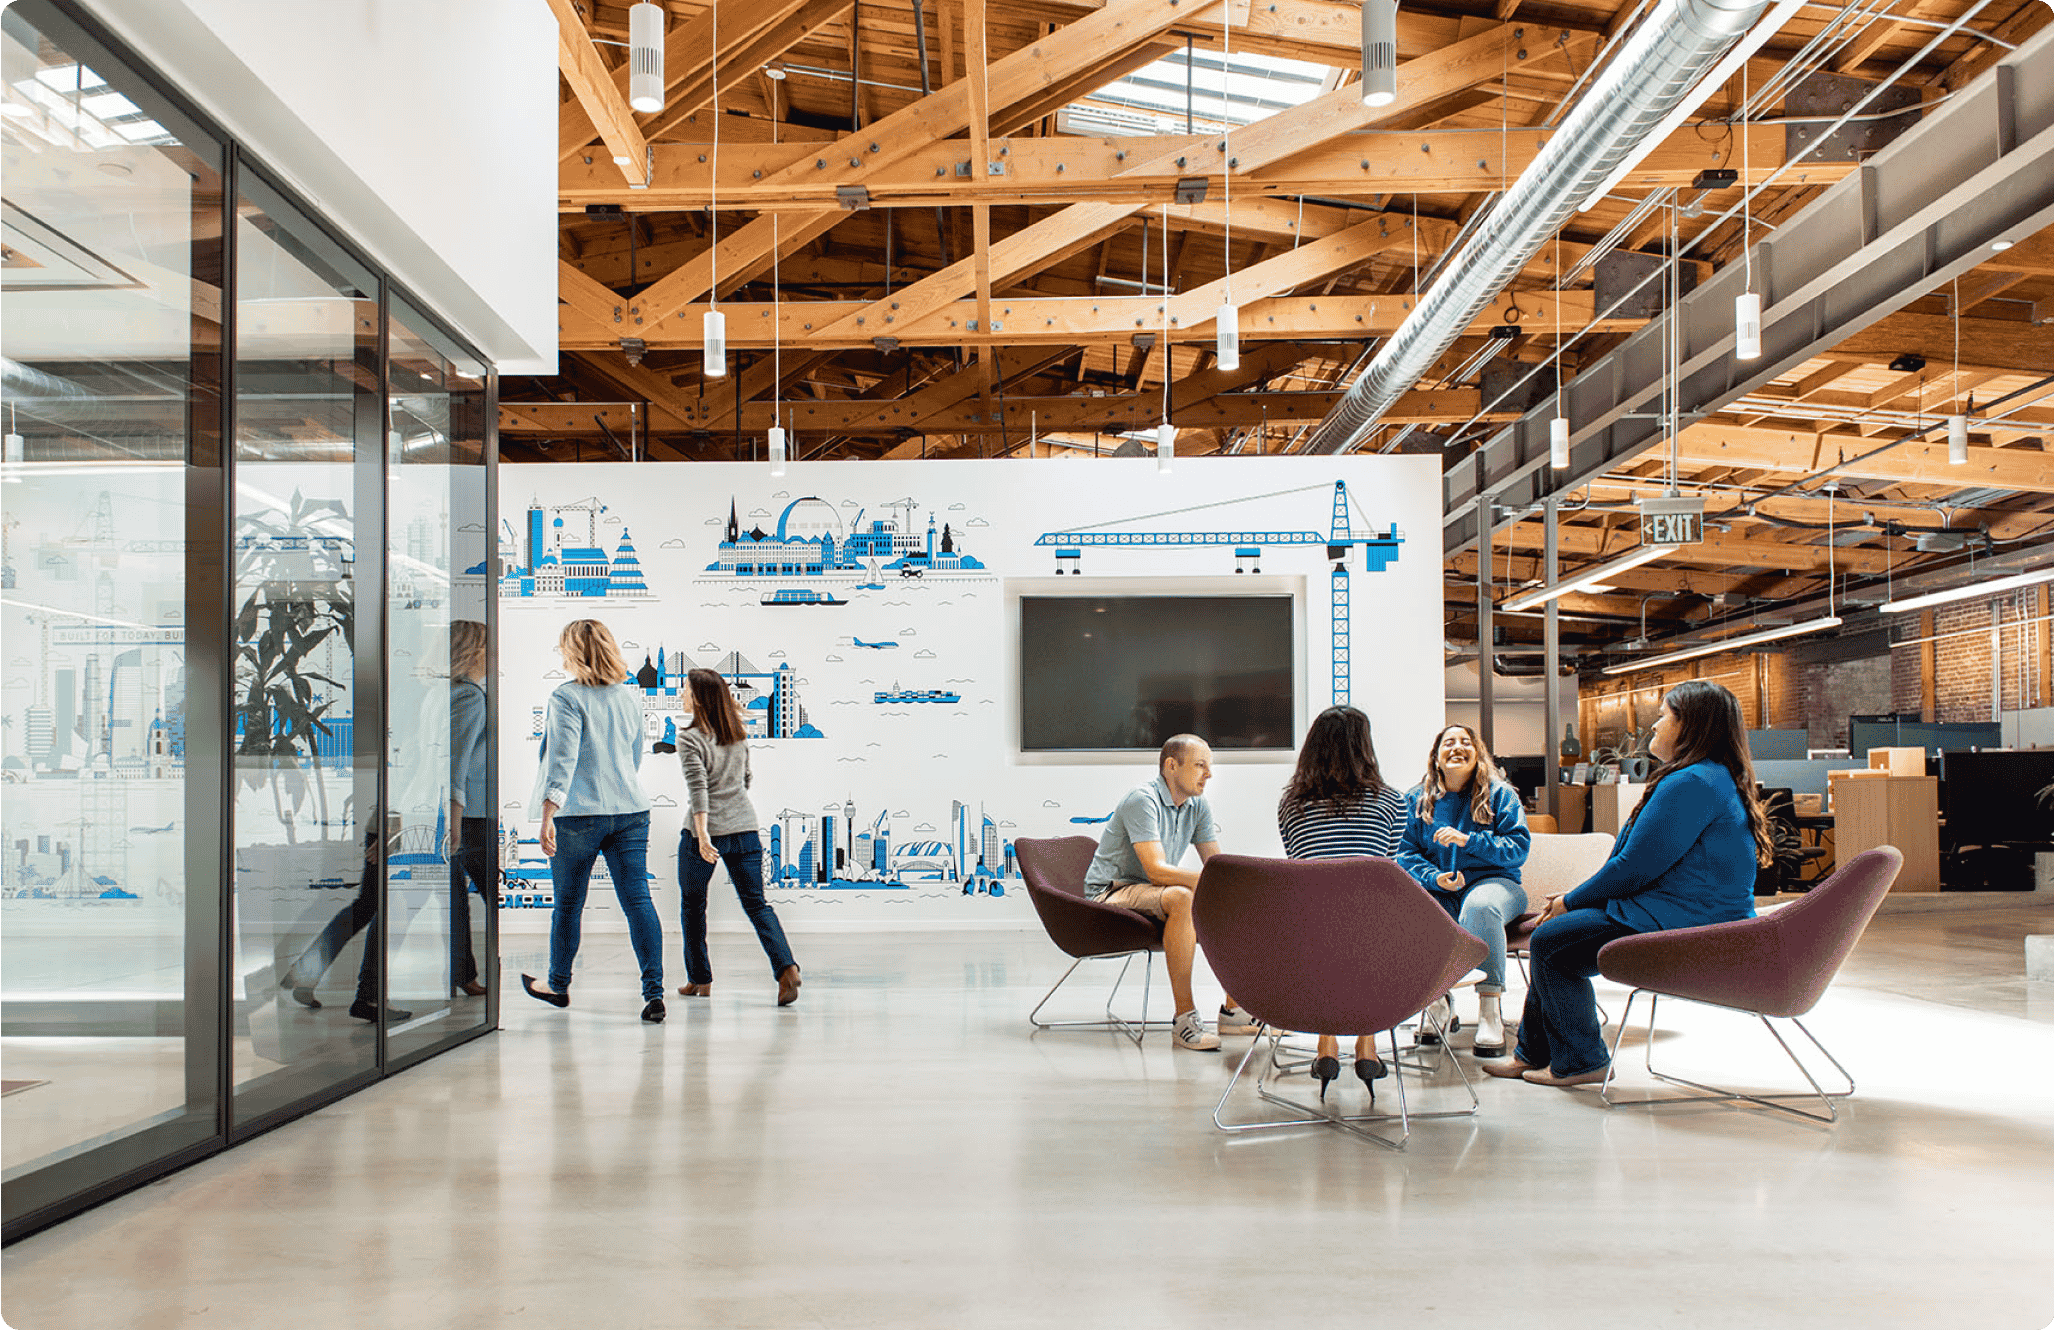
645,57
1379,52
1730,644
1971,591
1597,572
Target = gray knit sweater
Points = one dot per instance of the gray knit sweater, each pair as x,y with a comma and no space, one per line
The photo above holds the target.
717,776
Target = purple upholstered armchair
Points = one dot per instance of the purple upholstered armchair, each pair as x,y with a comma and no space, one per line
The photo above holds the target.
1777,964
1085,929
1341,946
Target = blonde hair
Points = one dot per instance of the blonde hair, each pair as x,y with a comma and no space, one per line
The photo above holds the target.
1480,780
466,649
592,654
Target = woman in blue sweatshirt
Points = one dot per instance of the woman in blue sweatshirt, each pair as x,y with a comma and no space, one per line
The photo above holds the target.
1465,840
1687,856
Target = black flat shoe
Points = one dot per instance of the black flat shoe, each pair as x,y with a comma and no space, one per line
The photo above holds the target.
543,994
368,1011
1325,1071
654,1012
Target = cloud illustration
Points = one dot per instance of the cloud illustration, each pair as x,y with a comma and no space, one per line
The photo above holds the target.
969,595
777,655
627,645
961,681
986,702
611,521
868,681
833,659
759,512
852,759
663,801
923,654
15,683
511,803
902,813
1050,803
941,757
843,702
976,521
782,494
711,521
850,503
401,651
925,826
709,646
174,614
1008,824
679,544
956,507
873,744
909,632
22,660
556,674
470,526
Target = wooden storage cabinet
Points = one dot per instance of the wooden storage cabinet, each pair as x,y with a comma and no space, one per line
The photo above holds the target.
1903,811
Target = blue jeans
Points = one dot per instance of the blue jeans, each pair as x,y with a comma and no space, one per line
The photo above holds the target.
742,852
1483,909
1559,1028
624,839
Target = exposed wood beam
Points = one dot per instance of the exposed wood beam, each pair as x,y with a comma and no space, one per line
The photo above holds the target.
1986,344
604,102
1920,463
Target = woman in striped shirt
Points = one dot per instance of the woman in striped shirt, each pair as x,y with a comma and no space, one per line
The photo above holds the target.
1338,806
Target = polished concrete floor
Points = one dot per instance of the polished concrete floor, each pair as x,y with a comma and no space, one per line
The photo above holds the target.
898,1150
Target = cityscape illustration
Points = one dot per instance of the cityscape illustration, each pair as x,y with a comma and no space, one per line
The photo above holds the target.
558,552
810,541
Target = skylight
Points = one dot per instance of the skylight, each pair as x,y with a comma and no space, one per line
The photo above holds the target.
1207,93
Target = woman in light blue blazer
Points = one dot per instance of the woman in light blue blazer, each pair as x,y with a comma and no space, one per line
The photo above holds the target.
591,803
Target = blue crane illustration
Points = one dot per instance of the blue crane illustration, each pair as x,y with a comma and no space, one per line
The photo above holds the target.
1379,551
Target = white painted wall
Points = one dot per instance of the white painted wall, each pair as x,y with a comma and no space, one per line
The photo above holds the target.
958,632
1518,709
427,132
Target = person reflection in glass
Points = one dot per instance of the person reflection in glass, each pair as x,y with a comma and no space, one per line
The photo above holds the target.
470,793
304,975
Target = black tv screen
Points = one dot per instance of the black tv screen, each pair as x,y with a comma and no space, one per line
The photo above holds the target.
1127,672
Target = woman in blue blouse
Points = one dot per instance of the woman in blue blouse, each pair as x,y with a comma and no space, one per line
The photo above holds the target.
1687,856
1337,806
591,804
1465,840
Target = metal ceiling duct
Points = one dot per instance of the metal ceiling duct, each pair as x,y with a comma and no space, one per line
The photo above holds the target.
1675,46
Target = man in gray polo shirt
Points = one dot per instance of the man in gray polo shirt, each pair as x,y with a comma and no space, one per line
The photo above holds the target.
1137,866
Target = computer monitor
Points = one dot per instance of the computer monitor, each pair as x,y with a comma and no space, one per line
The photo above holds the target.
1998,798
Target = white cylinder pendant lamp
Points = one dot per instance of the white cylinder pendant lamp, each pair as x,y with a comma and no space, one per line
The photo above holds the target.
1558,443
1957,440
1227,324
645,57
1165,446
1379,52
714,330
1747,326
777,450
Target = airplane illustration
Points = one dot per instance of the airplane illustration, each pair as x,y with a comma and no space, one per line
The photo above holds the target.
154,831
874,646
1089,821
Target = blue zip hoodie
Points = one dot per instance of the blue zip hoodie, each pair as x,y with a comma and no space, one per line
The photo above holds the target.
1497,849
1688,859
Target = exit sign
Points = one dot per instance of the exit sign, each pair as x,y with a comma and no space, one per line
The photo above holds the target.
1672,521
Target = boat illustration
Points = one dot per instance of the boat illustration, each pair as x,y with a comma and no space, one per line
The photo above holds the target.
801,596
898,694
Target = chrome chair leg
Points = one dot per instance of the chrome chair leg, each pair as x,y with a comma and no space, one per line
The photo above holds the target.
1714,1094
1323,1115
1133,1029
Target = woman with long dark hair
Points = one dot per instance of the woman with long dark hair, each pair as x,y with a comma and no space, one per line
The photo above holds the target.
714,752
592,803
1465,842
1686,856
1338,806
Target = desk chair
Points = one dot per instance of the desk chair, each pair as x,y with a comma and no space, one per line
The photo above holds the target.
1085,929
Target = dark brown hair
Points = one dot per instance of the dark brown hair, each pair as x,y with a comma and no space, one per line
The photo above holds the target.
714,708
1709,729
1480,780
1336,764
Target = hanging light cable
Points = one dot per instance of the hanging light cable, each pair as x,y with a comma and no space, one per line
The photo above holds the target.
777,377
1227,319
1558,428
1165,433
713,330
1747,306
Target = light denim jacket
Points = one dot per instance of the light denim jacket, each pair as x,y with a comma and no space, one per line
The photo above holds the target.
591,749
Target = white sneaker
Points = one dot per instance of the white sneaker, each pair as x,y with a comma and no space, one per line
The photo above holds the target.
1490,1026
1236,1020
1190,1032
1436,1020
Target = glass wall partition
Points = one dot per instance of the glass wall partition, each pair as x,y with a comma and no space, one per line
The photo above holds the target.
246,509
109,817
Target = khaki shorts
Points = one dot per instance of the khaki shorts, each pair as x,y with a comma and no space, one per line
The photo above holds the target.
1141,897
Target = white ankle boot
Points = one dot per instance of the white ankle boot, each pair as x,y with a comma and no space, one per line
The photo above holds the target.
1490,1026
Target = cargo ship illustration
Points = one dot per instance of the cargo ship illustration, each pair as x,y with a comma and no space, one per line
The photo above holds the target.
898,694
801,596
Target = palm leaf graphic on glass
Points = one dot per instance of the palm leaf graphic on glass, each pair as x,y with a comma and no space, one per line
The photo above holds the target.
293,566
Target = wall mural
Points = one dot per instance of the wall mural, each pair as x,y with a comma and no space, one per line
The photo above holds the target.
866,617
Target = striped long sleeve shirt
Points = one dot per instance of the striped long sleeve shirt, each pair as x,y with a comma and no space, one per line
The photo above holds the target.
1373,825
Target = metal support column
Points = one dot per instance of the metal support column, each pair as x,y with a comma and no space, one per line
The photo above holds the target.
1486,658
1551,656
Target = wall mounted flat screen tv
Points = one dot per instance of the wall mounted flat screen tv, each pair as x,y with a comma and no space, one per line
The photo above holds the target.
1127,672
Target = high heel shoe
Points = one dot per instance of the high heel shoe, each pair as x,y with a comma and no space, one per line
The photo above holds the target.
1326,1071
1370,1071
695,990
788,986
543,994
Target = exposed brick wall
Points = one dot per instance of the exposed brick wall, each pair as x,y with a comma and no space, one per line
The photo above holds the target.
1907,690
1961,664
1833,692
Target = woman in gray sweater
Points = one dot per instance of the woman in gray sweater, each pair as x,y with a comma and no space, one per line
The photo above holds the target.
591,803
715,756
